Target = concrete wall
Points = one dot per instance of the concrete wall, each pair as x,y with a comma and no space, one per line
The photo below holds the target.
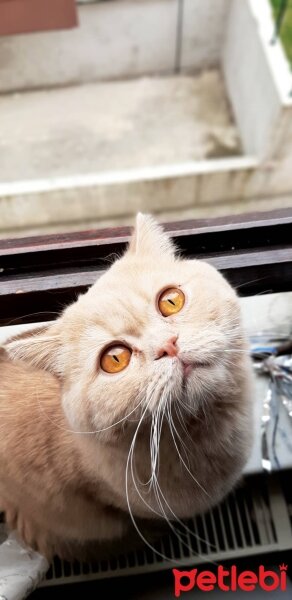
203,32
118,194
122,38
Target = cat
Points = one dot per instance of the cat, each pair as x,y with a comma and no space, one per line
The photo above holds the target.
135,404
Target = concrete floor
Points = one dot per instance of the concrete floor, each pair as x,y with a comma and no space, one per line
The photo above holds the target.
117,125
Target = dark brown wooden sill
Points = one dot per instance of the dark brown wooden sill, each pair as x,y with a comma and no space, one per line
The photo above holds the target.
41,275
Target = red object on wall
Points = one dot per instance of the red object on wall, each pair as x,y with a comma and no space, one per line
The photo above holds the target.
25,16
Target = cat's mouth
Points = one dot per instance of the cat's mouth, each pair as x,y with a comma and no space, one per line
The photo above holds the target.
190,366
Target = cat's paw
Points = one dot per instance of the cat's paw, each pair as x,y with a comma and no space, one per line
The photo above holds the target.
29,532
10,514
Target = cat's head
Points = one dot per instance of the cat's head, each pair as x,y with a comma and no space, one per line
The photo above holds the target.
154,329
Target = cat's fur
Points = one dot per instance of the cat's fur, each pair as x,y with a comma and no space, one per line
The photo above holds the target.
60,486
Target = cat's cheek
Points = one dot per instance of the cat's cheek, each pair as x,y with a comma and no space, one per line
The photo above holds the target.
76,415
209,381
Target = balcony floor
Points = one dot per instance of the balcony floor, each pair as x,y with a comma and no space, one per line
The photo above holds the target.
102,127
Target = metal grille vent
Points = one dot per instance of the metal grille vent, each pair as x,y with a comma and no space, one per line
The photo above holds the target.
253,519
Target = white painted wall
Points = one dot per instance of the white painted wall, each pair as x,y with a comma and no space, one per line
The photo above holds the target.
256,73
122,38
259,85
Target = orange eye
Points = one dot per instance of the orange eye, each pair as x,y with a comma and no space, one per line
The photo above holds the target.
115,359
171,301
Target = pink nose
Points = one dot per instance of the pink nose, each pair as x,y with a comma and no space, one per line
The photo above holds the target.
169,348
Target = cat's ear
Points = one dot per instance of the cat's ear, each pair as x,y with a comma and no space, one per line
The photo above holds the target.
149,238
38,347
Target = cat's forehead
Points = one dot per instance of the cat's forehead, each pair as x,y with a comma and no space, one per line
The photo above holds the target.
120,311
142,278
128,295
124,300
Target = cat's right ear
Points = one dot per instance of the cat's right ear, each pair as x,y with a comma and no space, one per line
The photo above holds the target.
39,347
149,238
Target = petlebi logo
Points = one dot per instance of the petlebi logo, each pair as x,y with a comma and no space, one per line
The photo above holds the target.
230,580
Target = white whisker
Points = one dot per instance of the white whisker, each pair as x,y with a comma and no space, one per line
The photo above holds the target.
186,467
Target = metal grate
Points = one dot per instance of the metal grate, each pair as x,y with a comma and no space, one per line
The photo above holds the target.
253,519
286,484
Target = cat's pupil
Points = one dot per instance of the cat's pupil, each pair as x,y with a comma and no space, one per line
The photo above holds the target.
116,358
171,302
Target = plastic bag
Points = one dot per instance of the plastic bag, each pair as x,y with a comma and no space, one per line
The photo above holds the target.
21,569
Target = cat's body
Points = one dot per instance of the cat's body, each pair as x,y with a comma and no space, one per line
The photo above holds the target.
185,391
46,488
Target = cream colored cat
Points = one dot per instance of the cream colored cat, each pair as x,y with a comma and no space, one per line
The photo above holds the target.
134,404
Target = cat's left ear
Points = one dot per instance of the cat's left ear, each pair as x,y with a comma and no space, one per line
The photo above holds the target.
39,347
149,238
